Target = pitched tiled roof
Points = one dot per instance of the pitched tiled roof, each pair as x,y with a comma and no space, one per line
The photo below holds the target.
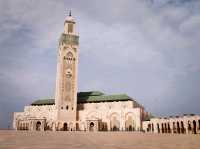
44,102
85,97
92,93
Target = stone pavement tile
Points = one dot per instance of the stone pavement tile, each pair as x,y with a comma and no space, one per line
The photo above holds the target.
95,140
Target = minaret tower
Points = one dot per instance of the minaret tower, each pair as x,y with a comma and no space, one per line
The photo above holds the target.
66,78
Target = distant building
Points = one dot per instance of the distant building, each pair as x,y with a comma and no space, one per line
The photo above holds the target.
85,111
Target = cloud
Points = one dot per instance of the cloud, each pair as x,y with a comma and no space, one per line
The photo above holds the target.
145,48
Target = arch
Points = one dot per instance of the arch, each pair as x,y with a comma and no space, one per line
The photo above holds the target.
91,127
165,128
114,122
20,126
194,127
178,127
104,126
59,126
69,54
38,126
182,127
93,115
71,126
162,127
23,126
189,126
152,127
77,127
168,128
83,127
65,128
149,128
174,127
129,123
26,126
158,128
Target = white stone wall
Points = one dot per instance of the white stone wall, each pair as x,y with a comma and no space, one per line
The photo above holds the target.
105,110
46,112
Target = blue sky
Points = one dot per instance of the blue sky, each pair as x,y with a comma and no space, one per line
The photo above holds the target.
148,49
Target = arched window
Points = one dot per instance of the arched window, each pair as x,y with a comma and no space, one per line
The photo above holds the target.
69,57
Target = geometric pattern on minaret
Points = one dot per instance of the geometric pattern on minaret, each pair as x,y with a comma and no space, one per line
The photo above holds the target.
67,72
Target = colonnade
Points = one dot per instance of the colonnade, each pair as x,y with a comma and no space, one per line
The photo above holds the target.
177,126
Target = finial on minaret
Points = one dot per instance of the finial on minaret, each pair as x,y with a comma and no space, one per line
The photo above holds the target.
70,13
69,18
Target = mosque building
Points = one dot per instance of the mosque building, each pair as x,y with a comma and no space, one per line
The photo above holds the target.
72,110
93,110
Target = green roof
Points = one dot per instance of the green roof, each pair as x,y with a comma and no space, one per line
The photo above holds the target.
44,102
85,97
92,93
104,98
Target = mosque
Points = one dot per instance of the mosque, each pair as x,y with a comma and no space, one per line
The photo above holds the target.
93,110
72,110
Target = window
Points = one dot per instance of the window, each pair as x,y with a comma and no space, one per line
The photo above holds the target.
70,28
67,107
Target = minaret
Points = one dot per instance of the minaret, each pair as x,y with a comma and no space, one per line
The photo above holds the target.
66,78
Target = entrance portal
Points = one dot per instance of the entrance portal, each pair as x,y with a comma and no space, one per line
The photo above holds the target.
91,126
65,126
38,126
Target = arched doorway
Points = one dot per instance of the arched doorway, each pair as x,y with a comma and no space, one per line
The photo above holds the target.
162,127
149,128
165,128
38,126
174,127
152,127
178,127
71,126
194,127
182,127
129,124
77,126
189,126
199,124
91,128
115,124
65,127
158,128
168,128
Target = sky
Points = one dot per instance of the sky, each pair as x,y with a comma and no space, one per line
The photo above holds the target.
147,49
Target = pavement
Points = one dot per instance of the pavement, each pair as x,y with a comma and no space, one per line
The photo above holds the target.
10,139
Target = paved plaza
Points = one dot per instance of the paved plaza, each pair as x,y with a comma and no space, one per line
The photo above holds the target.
95,140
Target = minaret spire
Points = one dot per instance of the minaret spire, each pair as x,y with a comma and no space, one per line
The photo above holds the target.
70,13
